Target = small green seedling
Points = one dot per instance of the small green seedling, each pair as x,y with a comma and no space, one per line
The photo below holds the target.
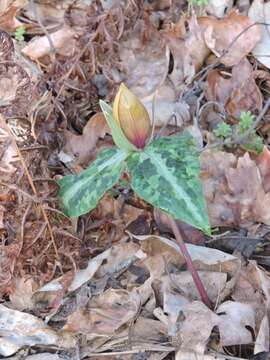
20,32
223,130
200,3
252,142
245,123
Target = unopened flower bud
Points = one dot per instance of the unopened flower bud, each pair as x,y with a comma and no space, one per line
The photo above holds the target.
132,117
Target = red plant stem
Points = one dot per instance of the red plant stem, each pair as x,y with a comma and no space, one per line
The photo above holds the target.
194,273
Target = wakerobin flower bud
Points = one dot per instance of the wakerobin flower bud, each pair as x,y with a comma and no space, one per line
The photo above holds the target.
132,117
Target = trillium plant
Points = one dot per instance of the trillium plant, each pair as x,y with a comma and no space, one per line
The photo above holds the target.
165,172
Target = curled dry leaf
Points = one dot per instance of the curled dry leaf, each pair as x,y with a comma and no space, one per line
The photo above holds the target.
116,213
63,41
9,155
238,92
159,248
196,327
144,59
6,46
253,285
16,89
167,109
103,265
213,281
8,12
178,290
235,323
50,12
191,355
2,214
263,163
20,329
230,38
188,50
262,339
42,356
149,329
259,11
234,190
121,255
105,313
218,8
81,147
192,235
21,296
144,65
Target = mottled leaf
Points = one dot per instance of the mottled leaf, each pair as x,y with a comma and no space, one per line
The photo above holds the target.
118,136
166,174
81,193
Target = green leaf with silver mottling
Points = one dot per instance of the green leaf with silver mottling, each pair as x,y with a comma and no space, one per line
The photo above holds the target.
166,174
81,193
118,136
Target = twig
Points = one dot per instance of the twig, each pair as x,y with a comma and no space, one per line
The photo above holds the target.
135,351
194,273
32,185
43,227
23,224
36,14
66,76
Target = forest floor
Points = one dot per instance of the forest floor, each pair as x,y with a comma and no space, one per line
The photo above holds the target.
111,284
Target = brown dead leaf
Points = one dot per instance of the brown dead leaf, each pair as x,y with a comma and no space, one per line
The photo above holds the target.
50,12
166,105
191,355
188,49
6,46
234,190
16,89
253,285
262,339
177,290
101,267
121,255
263,163
116,215
2,213
81,147
238,92
214,282
218,8
21,296
196,327
235,321
105,313
192,235
148,329
63,41
230,38
162,252
20,329
8,150
144,59
8,12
